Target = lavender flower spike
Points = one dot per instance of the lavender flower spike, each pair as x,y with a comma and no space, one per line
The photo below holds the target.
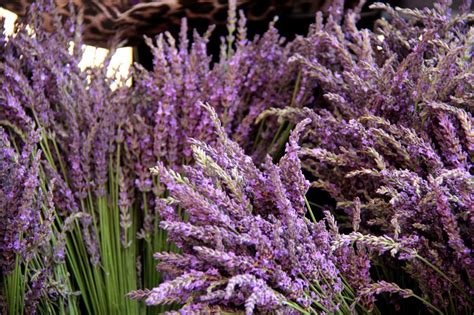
246,244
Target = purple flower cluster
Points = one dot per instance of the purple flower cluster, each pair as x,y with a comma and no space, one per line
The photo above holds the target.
245,241
20,203
391,140
384,125
94,137
249,77
27,216
44,86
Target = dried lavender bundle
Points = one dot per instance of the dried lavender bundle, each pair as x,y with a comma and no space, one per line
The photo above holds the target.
30,270
98,143
20,209
78,117
392,138
246,244
250,76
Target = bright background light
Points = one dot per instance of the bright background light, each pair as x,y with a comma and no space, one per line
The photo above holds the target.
93,56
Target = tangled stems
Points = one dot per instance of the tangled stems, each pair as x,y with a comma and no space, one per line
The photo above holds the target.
383,286
384,244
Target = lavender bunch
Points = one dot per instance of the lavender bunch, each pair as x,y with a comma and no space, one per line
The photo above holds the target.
433,206
249,76
21,211
28,234
391,138
99,143
245,241
78,116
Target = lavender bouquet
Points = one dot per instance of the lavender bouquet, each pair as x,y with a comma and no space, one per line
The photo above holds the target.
165,110
244,239
383,125
97,143
32,272
391,139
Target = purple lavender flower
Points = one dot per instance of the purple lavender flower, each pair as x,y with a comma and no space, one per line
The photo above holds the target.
20,209
246,243
27,211
249,77
391,138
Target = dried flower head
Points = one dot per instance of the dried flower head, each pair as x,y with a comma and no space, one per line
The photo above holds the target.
246,242
391,140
